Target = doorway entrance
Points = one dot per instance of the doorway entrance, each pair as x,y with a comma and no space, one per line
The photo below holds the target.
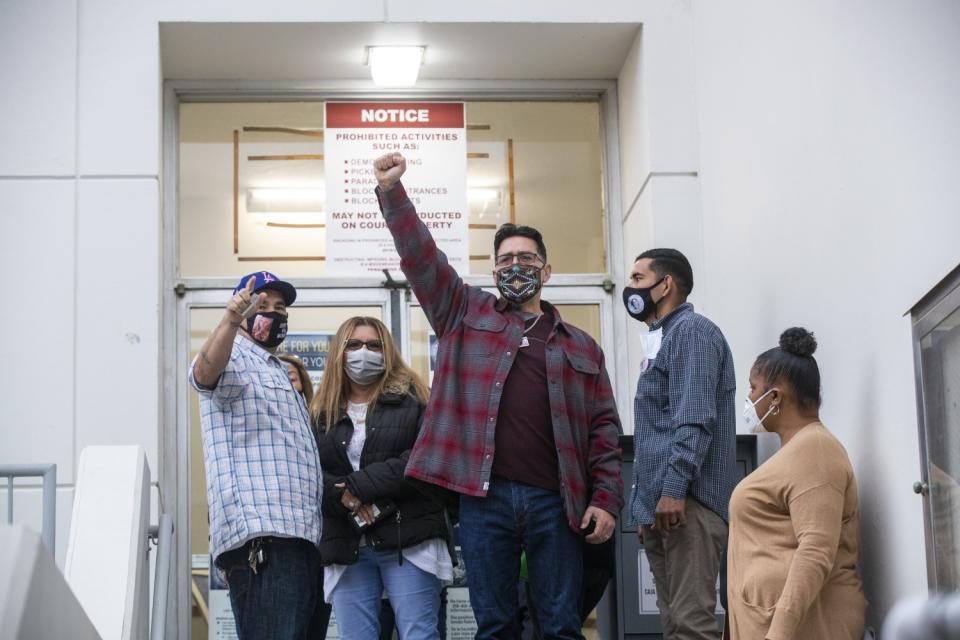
533,158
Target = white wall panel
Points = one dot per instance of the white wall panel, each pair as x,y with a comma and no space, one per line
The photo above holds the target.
657,93
119,88
118,314
37,349
830,148
276,11
637,236
38,46
634,144
677,224
525,11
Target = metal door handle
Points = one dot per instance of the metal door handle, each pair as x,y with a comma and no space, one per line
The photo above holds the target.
921,488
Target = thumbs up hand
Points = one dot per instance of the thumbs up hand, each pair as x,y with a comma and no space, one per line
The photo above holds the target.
244,303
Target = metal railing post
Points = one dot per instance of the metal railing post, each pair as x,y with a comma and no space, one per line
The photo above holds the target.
163,533
48,529
49,524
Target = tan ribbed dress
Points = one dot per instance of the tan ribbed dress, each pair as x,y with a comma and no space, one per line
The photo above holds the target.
795,544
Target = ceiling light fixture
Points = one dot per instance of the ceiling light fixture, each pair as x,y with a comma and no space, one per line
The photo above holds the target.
395,66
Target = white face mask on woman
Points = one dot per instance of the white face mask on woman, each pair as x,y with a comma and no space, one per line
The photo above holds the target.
754,421
364,366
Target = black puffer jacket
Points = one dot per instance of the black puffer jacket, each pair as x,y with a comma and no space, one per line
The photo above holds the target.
392,427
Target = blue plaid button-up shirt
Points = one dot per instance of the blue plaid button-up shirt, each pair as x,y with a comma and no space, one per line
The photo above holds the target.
685,418
263,471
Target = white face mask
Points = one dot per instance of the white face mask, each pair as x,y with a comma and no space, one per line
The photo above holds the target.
755,422
650,341
364,366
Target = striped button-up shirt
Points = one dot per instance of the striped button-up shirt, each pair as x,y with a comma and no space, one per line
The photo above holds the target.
478,342
685,418
263,471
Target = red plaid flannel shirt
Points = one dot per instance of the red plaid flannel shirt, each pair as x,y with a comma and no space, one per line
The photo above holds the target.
478,341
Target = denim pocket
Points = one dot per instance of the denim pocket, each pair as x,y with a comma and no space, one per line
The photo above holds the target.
238,580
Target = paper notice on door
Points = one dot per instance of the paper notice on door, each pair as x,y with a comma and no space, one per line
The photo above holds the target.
432,138
648,589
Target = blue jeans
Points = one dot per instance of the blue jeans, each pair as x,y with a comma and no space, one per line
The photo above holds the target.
278,600
492,531
414,595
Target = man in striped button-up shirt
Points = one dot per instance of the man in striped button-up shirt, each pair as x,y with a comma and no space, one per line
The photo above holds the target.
685,443
263,472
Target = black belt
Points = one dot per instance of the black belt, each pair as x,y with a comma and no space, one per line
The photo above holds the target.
266,542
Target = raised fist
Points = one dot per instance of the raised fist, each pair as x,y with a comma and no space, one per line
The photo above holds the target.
388,169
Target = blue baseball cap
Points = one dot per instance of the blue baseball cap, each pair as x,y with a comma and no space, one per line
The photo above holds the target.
266,280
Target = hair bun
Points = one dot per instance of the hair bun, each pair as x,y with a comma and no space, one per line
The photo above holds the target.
798,341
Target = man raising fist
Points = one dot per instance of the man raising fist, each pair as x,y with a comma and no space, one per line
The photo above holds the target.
263,488
521,421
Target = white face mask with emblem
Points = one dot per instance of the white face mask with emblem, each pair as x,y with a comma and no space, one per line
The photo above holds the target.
750,416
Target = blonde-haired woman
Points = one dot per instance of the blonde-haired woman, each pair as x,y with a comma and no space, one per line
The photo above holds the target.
380,535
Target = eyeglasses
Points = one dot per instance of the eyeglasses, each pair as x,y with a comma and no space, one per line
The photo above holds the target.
525,258
355,345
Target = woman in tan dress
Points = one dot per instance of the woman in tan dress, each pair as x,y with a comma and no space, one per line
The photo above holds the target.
794,522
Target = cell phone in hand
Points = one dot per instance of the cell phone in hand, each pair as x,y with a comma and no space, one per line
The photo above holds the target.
254,303
590,528
360,522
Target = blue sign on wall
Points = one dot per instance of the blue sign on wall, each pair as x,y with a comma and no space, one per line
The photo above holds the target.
311,348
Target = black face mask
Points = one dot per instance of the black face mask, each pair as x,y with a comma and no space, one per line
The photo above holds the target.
639,302
518,283
267,329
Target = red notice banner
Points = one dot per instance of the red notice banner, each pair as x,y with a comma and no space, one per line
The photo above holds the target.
395,115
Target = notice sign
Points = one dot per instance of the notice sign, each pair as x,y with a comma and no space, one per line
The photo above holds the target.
648,588
460,621
431,136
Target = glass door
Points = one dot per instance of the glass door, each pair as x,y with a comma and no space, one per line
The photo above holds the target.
248,185
585,307
937,349
314,320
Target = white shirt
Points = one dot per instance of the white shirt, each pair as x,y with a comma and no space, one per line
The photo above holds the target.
358,415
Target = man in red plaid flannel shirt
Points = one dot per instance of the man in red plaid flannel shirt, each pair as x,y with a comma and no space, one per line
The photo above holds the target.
521,422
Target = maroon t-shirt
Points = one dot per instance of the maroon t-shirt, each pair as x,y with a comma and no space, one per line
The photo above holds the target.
525,448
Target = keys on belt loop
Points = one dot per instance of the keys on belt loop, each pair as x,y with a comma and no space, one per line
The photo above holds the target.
256,557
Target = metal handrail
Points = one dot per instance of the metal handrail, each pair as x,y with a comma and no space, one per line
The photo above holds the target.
48,472
162,533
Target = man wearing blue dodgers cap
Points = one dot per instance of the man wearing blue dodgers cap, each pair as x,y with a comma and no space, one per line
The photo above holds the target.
263,488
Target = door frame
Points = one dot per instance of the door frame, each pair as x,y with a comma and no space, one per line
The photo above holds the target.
930,311
174,469
215,297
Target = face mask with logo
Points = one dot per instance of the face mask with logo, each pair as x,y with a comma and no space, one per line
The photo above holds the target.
754,421
364,366
639,302
519,283
267,329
